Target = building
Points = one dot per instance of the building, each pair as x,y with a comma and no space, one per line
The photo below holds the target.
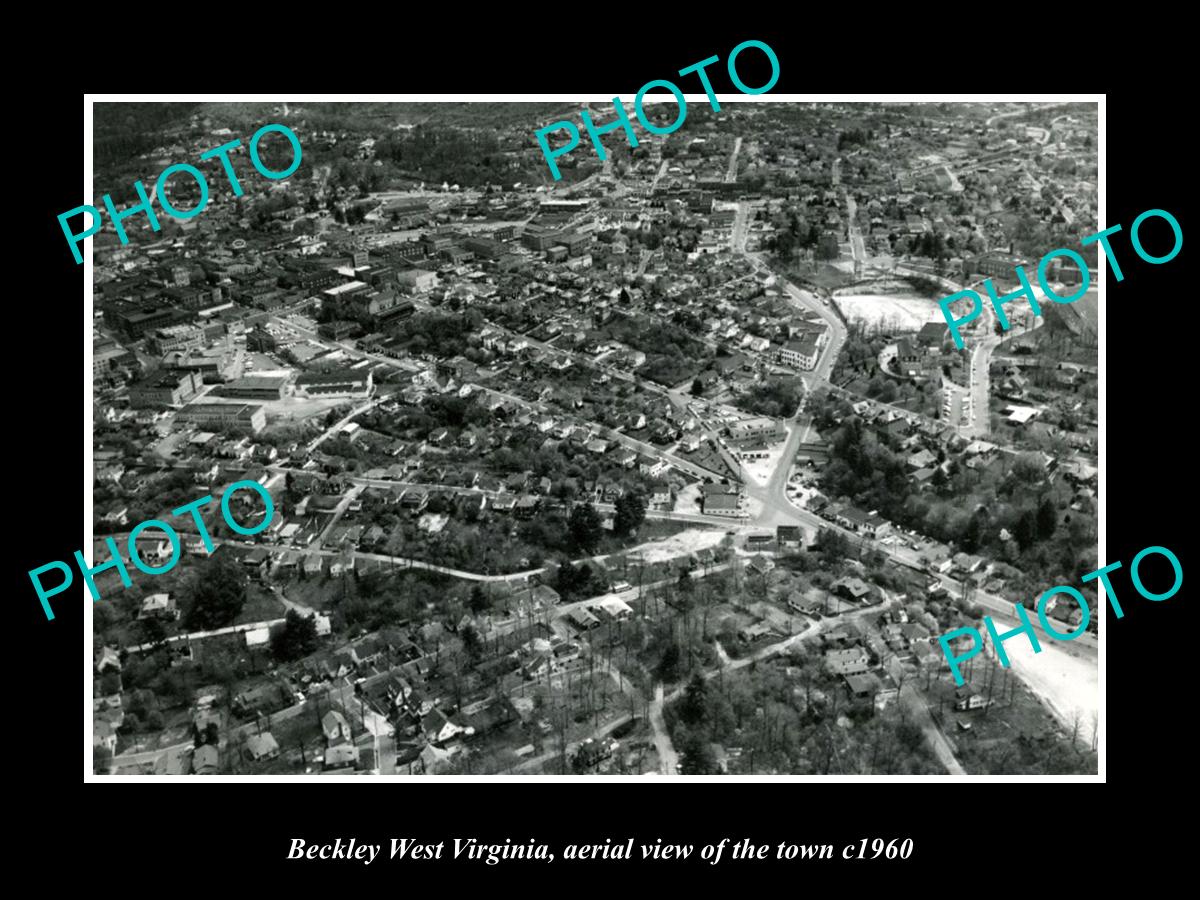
720,505
802,353
136,321
169,388
760,428
861,522
259,340
995,265
415,281
221,416
789,536
262,746
176,337
159,606
337,383
851,661
254,387
212,363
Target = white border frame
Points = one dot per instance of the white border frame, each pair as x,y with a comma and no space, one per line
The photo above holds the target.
88,469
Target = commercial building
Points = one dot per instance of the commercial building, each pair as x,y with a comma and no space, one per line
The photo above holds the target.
220,416
254,387
176,337
342,382
720,505
762,428
136,321
212,363
339,293
417,280
995,265
169,388
108,356
802,353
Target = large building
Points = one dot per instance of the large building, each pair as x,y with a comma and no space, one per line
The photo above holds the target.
802,353
108,356
212,363
236,416
761,428
339,383
254,387
995,265
176,337
136,321
417,280
170,388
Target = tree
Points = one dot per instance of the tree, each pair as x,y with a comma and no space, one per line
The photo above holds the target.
472,642
1026,529
630,513
697,388
697,757
668,666
296,639
694,708
477,602
218,593
153,631
1047,518
584,527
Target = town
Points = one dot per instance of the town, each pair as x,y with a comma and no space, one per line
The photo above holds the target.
668,466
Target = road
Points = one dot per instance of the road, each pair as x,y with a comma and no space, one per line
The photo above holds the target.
933,735
1022,112
200,635
668,759
731,174
339,511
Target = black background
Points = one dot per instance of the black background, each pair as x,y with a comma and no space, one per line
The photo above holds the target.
204,836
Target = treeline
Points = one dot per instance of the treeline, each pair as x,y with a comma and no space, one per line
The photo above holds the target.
793,724
778,397
1010,510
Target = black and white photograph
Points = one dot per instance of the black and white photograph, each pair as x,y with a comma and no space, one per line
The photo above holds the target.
513,438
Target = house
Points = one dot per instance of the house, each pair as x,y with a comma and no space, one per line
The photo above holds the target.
862,686
615,608
966,563
108,659
414,500
760,565
583,619
262,746
104,735
967,699
813,603
336,728
342,757
265,698
159,606
627,458
852,589
314,564
438,727
789,536
206,760
649,465
849,661
921,460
